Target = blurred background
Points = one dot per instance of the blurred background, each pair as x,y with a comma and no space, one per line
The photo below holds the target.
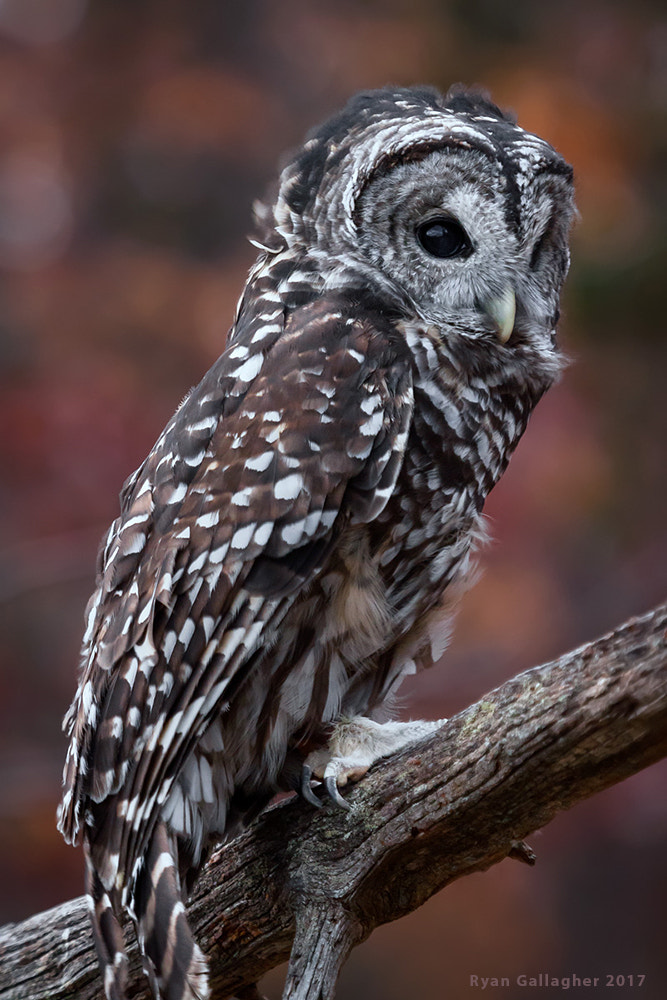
134,137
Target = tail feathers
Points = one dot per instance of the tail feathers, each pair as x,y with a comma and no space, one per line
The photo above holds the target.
108,935
177,963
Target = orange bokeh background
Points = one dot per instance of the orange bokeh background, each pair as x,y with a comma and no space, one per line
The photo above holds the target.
133,139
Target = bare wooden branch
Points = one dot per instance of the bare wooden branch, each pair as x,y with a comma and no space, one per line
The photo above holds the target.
456,803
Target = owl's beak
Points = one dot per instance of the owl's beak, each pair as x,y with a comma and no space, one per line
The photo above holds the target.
502,311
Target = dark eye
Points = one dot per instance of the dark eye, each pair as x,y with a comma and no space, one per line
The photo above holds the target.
443,237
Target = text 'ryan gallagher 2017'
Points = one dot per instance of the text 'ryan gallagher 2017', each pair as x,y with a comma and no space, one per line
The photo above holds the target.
561,982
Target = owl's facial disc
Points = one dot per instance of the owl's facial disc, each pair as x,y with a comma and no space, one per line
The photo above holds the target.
448,231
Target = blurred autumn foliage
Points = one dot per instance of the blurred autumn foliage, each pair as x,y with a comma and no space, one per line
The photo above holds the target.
133,138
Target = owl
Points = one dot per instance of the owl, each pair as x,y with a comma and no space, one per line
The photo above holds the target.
293,545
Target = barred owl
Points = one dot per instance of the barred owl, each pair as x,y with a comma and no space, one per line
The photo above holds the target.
290,548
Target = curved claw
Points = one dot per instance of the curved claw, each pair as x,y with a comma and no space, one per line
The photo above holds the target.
333,793
305,791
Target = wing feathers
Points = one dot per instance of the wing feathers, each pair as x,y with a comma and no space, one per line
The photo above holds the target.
234,511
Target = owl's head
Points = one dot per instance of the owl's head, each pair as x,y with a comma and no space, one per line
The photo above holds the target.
442,205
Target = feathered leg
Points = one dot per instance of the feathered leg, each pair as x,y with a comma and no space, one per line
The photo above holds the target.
178,965
107,934
354,745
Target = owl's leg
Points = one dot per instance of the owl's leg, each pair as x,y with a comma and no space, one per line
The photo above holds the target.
354,745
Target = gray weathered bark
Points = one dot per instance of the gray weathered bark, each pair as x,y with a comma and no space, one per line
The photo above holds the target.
318,882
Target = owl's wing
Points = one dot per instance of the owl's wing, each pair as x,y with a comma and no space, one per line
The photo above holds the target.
234,510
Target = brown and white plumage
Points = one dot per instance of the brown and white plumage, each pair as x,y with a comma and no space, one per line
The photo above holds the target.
284,555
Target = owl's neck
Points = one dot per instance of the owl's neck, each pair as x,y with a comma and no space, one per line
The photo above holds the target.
473,420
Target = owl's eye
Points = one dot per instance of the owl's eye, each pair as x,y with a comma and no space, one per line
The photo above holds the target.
444,237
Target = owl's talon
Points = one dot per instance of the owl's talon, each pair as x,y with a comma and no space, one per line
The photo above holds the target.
333,793
305,790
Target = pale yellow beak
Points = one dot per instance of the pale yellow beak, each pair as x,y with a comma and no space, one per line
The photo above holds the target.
502,311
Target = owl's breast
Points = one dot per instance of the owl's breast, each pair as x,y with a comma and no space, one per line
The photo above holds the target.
425,533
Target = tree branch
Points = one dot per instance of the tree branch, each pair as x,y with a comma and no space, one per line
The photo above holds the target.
456,803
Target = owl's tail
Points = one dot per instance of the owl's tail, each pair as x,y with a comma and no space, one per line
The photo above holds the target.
176,963
173,962
107,934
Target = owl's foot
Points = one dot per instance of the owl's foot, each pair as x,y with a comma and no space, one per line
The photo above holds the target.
354,745
328,786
